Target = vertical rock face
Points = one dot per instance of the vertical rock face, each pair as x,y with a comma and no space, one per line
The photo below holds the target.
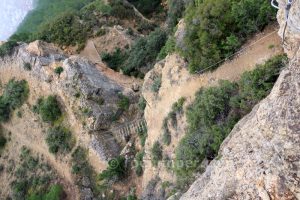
260,158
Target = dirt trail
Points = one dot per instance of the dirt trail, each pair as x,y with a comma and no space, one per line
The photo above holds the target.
186,84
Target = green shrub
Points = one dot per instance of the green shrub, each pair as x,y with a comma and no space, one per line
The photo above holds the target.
216,110
166,133
46,11
27,66
214,34
55,193
178,106
123,102
146,6
142,133
120,10
156,153
2,142
115,170
175,12
139,170
139,163
59,70
169,48
156,84
74,32
33,179
4,110
114,60
59,140
80,164
142,103
7,48
49,109
14,95
144,52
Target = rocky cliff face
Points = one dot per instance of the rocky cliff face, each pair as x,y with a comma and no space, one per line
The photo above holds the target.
87,93
260,158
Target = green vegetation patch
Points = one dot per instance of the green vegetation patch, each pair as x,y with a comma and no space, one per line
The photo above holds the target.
123,102
216,110
139,163
59,70
116,170
46,10
140,58
142,133
114,60
3,141
14,95
59,140
156,84
177,108
156,153
7,48
217,28
34,179
144,53
48,108
146,7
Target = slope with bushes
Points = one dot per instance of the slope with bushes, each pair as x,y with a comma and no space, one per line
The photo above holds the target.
216,29
216,110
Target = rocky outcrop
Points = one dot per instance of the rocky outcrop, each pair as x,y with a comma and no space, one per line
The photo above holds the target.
89,96
260,158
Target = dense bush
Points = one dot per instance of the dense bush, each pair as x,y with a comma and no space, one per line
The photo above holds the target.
177,108
7,48
156,84
47,10
156,153
114,60
139,163
115,171
120,10
34,179
169,48
65,29
146,6
27,66
123,102
166,138
2,141
48,108
175,12
217,28
141,57
59,140
216,110
80,164
142,103
55,193
142,133
59,70
144,53
14,95
65,22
